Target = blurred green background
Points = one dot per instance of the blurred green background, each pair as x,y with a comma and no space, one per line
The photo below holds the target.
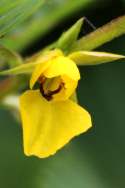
95,159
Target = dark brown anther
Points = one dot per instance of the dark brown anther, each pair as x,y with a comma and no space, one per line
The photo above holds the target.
47,96
42,79
50,94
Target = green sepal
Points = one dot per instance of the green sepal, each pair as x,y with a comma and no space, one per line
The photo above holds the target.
68,38
93,58
26,68
30,64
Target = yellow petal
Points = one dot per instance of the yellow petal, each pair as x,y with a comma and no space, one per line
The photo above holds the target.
54,67
62,66
43,62
48,126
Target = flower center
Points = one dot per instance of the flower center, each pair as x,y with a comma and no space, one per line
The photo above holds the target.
50,86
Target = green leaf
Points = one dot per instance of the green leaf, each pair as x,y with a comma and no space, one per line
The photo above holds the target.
47,17
9,57
102,35
68,38
93,58
14,12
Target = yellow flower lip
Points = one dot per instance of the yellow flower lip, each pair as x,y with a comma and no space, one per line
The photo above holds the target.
48,126
61,73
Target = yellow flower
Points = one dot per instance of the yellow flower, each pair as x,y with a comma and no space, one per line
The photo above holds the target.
50,118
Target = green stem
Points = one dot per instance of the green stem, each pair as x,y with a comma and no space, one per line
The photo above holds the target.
102,35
